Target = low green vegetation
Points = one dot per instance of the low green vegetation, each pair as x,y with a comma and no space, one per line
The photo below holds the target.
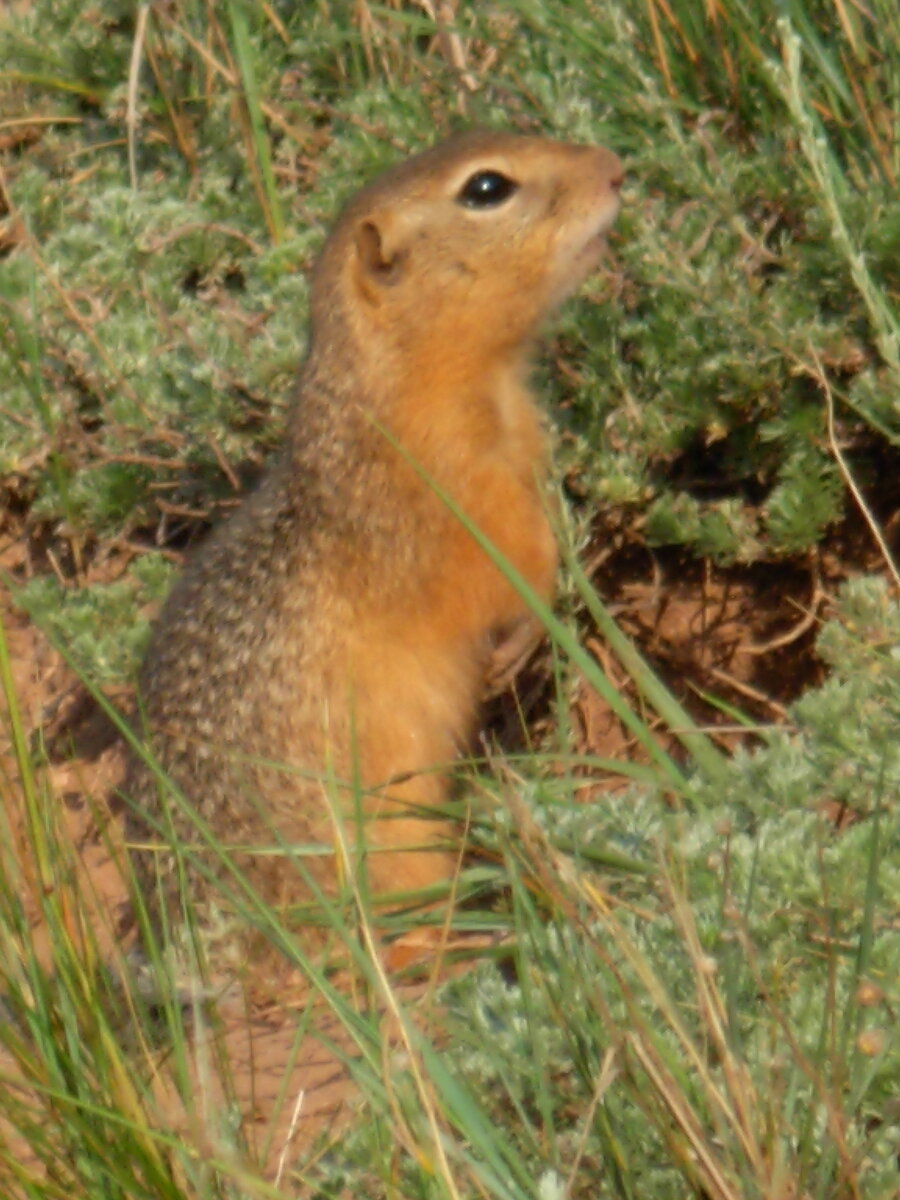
716,1030
698,993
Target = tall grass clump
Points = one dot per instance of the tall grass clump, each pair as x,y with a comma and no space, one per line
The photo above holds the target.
77,1060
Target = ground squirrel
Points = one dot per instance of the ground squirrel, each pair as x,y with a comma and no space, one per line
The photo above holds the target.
343,624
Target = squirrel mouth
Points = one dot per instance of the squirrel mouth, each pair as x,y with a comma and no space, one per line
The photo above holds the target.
608,218
597,240
587,250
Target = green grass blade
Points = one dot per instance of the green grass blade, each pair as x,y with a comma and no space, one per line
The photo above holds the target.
701,747
244,52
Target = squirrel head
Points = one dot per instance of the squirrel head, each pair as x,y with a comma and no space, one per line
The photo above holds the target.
469,245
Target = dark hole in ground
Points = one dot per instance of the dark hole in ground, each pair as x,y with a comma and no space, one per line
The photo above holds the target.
744,635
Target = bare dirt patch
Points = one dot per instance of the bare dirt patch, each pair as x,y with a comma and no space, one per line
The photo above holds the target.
726,640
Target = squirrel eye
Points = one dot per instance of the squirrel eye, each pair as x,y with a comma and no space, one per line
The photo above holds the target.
486,189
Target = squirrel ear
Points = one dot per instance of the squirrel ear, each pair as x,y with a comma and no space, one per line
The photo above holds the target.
380,260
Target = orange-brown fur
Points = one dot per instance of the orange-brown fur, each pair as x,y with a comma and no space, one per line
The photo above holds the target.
344,623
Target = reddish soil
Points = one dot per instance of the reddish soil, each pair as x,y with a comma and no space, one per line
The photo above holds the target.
742,636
